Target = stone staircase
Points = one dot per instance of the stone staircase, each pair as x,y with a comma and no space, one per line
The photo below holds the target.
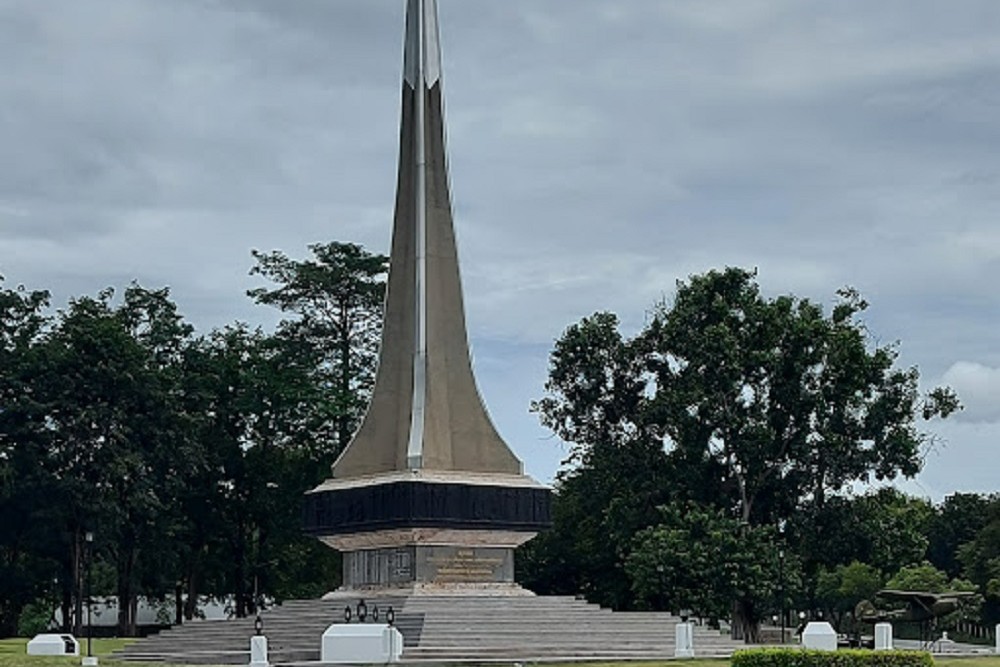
442,629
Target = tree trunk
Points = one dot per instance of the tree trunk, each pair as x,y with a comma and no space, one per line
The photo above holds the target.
76,558
133,616
67,609
745,625
191,604
127,600
241,574
178,604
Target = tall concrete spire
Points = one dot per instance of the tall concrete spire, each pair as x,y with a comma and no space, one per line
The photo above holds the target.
425,413
426,497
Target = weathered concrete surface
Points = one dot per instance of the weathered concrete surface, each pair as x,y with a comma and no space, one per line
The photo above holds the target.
425,412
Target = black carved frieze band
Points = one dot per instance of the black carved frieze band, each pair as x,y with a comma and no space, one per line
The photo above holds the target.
426,505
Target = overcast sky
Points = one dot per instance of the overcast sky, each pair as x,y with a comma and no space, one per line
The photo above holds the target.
599,149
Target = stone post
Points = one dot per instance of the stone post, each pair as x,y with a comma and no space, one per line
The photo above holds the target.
258,651
883,636
684,640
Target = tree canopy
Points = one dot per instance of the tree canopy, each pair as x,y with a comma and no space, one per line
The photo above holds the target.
185,455
755,408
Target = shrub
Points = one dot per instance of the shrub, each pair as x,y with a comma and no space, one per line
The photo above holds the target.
794,657
35,618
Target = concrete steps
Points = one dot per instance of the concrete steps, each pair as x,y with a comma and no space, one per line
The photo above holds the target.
441,629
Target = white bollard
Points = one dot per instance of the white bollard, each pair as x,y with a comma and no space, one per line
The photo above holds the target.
819,636
883,636
258,651
684,640
997,635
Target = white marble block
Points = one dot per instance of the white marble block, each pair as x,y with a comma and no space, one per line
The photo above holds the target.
258,651
684,642
50,644
362,643
883,636
819,636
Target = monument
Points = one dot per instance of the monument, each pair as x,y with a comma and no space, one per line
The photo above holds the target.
426,497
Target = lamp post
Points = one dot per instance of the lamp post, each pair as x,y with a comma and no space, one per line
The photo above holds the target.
258,622
90,660
781,575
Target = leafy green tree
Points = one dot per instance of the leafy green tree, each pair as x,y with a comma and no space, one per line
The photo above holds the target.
894,528
925,577
619,477
839,590
790,402
980,559
107,394
335,301
956,521
760,404
702,559
884,529
27,569
186,457
252,393
597,509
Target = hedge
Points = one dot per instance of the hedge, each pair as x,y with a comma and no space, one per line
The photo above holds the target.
795,657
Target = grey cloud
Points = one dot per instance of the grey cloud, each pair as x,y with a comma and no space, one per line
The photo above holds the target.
599,151
978,386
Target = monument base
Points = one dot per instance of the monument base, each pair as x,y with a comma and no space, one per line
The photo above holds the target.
425,532
422,561
352,595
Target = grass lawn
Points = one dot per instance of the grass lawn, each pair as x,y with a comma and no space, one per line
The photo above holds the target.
939,661
14,653
978,661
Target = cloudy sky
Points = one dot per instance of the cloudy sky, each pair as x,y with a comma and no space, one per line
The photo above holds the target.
600,150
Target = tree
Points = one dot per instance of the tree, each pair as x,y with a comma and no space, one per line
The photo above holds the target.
925,577
242,521
790,403
839,590
336,300
26,569
956,521
980,559
765,403
597,509
619,476
187,457
104,388
893,527
702,559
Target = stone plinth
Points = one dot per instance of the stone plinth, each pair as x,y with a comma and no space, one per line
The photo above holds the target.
430,531
819,636
373,644
883,636
412,564
53,644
